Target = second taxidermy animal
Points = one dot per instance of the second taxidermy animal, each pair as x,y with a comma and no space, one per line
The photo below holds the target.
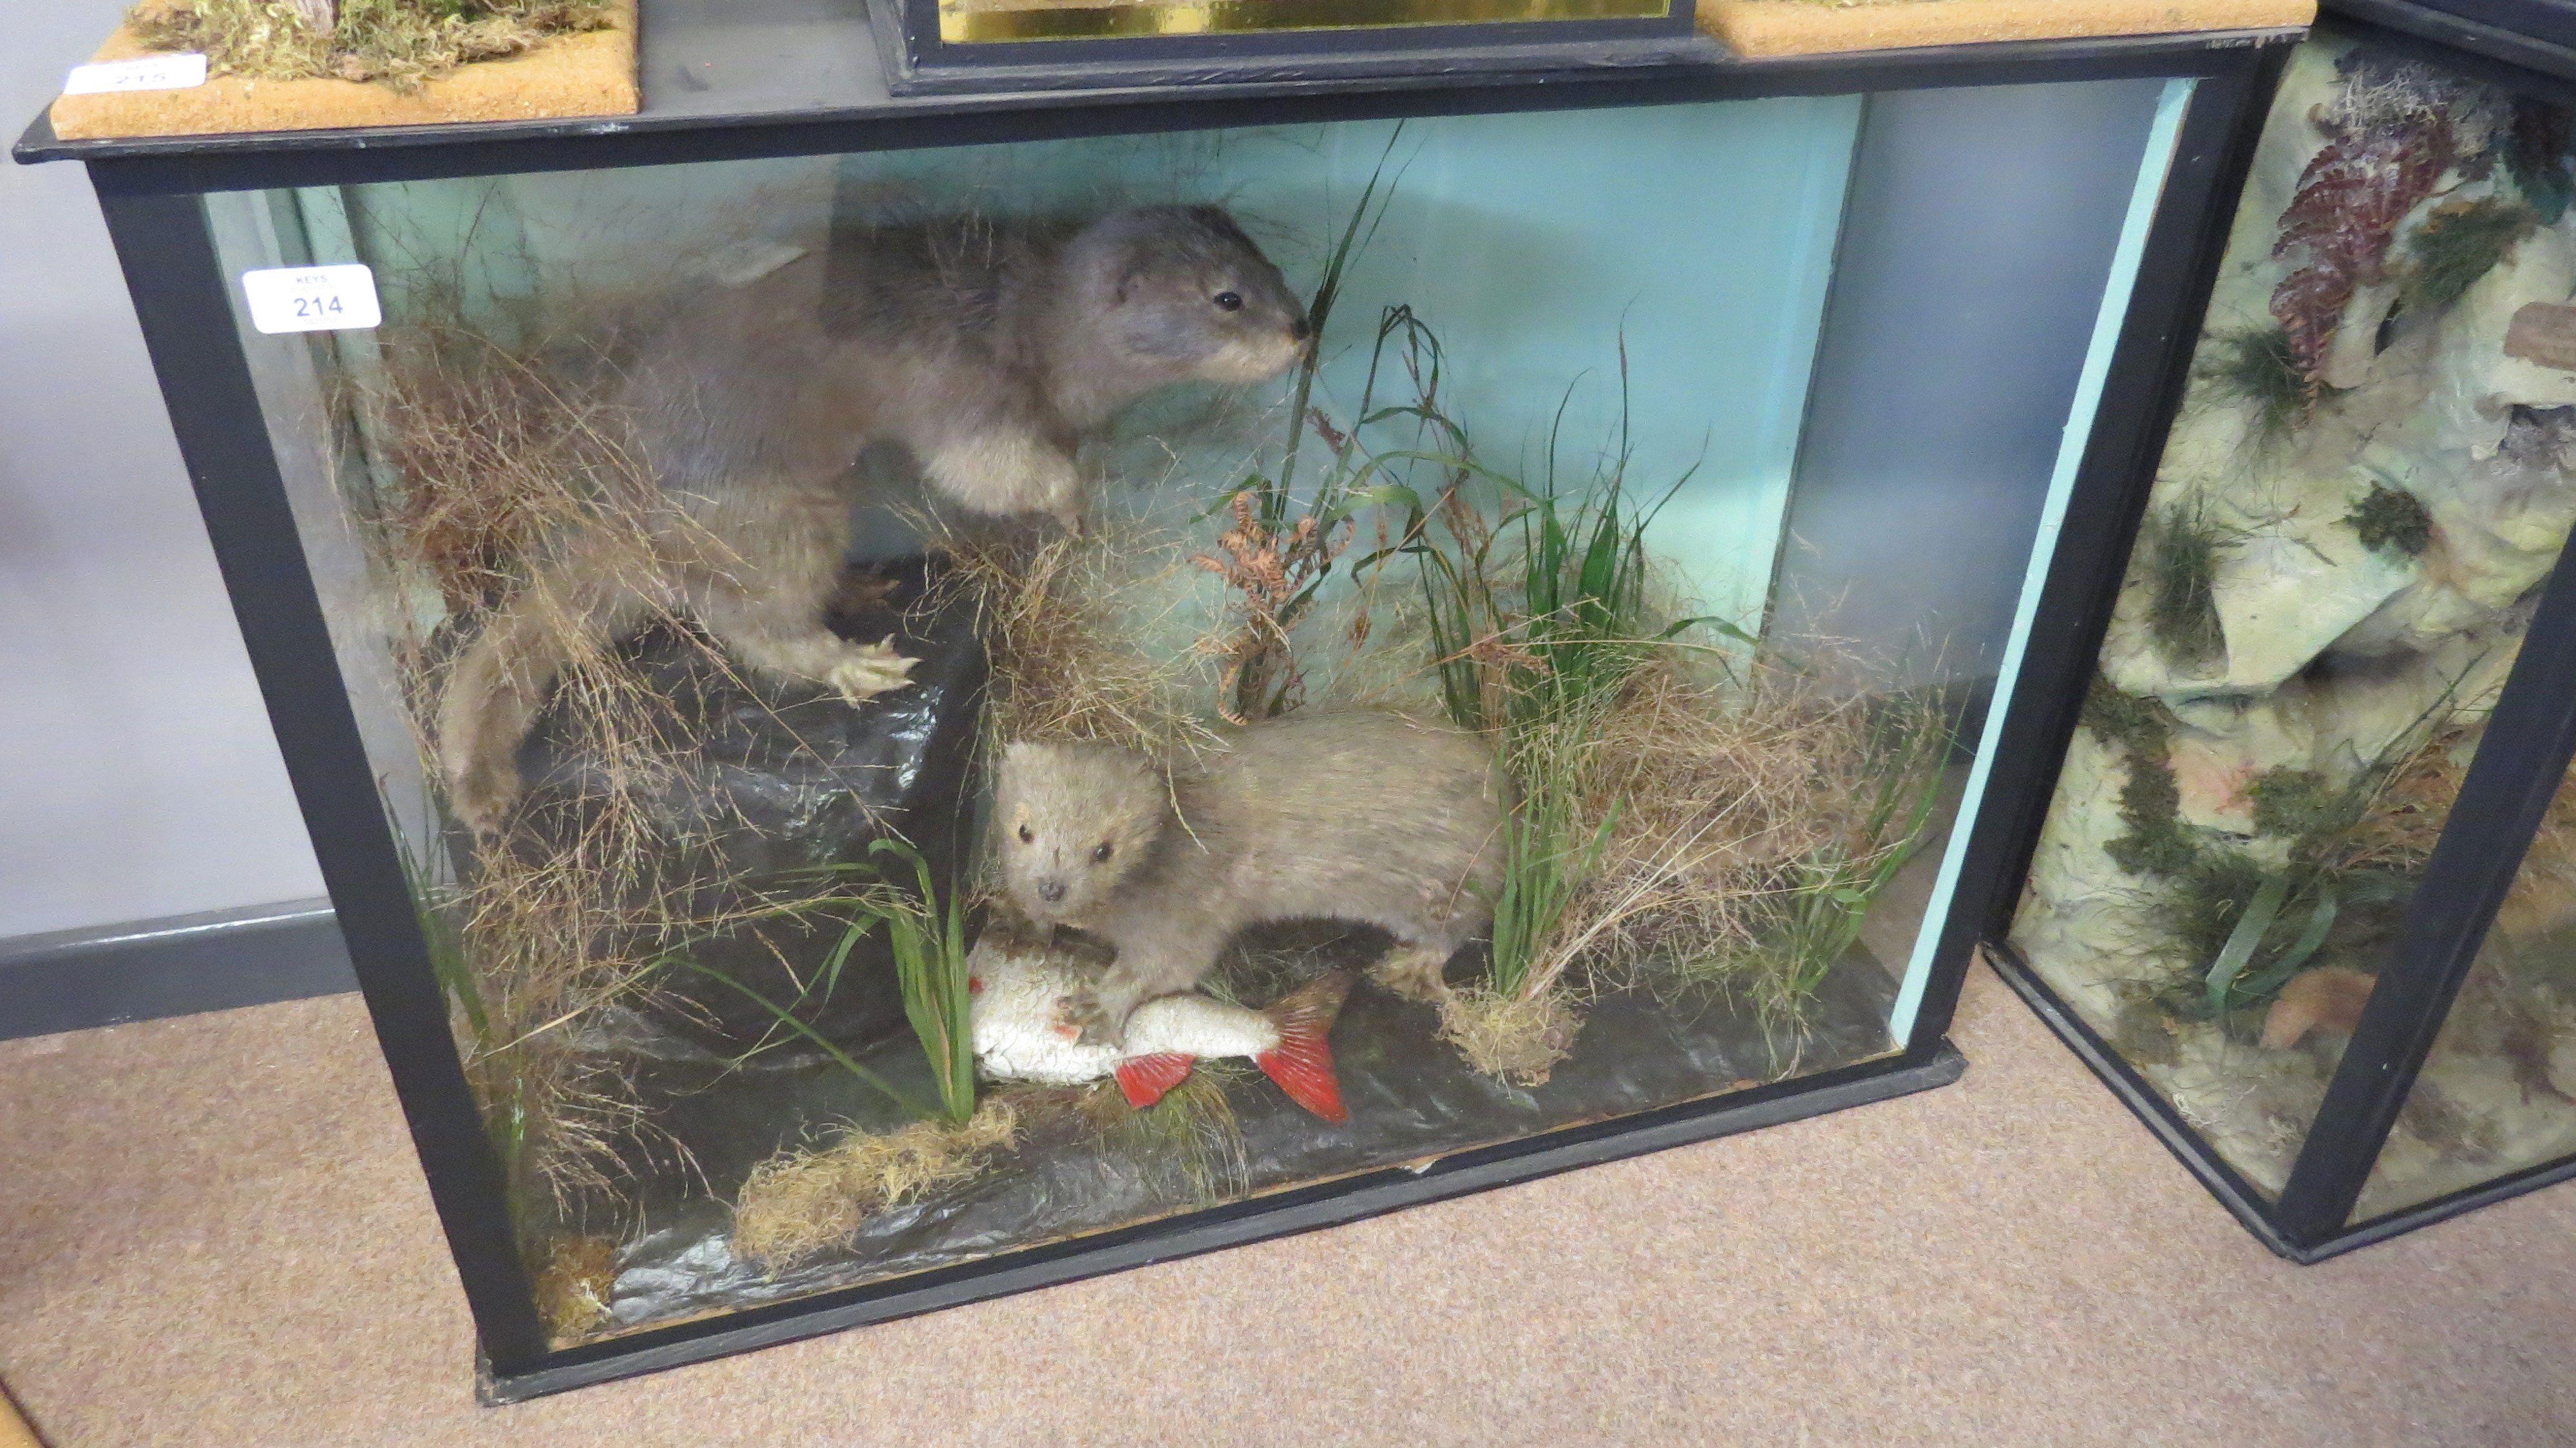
986,351
1365,817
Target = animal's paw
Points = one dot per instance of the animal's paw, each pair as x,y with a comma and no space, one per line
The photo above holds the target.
1413,972
1062,1020
870,670
1093,1022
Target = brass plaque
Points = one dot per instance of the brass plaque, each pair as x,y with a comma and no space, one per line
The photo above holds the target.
971,22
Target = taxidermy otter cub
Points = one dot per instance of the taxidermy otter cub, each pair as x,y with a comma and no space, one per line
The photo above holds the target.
987,352
1364,817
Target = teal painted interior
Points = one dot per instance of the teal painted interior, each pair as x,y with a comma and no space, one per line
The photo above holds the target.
2154,162
1699,240
1534,245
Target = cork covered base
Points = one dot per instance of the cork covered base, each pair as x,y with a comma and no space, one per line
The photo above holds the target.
587,74
1808,27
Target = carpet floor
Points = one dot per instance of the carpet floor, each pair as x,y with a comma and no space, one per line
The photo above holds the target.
212,1233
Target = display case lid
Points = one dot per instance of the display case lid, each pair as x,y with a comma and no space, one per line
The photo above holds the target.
726,79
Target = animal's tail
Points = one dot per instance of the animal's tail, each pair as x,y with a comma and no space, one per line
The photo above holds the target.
1302,1062
497,685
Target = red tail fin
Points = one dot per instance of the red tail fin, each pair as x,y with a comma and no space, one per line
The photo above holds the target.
1302,1062
1146,1078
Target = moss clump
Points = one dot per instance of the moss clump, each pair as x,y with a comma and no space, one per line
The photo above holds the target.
2262,368
1510,1037
2151,806
573,1280
2177,559
2157,843
2295,803
2390,520
403,43
2132,721
2459,243
804,1202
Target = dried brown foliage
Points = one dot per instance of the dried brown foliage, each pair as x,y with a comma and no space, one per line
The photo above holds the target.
1729,783
492,451
480,457
1275,567
402,43
1067,622
1518,1038
2398,829
803,1202
2379,162
573,1278
2543,898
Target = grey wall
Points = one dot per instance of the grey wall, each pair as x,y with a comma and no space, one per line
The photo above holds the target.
138,777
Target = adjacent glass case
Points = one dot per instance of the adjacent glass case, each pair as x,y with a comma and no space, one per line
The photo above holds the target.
911,702
2276,897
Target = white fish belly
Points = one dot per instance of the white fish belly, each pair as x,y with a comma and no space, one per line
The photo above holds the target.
1194,1025
1018,1036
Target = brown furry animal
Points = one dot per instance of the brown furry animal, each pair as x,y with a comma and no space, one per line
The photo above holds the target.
987,353
1364,817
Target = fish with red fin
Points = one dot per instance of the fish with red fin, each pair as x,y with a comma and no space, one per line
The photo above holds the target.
1020,991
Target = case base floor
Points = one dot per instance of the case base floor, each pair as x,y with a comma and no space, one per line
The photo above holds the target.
214,1233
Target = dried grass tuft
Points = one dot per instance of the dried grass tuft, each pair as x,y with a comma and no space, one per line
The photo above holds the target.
483,456
1738,793
402,43
801,1203
573,1283
1066,621
490,451
1189,1144
1519,1038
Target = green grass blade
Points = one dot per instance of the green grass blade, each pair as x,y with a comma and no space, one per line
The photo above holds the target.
2244,939
788,1019
2321,919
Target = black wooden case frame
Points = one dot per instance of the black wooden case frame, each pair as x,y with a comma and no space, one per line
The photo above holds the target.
2517,772
151,193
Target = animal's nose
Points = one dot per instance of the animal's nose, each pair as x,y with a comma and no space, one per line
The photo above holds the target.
1301,329
1051,891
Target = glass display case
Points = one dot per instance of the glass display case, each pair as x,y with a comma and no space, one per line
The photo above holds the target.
2303,891
907,700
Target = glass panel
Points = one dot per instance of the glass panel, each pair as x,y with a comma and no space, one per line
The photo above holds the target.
2361,496
2498,1092
926,720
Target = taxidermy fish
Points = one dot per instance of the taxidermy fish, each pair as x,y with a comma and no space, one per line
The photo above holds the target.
1020,991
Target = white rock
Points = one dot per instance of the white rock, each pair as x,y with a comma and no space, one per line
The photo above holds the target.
2352,356
2562,1066
2287,592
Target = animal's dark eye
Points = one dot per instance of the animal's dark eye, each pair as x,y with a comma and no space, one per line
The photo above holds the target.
1229,301
1103,852
1027,835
